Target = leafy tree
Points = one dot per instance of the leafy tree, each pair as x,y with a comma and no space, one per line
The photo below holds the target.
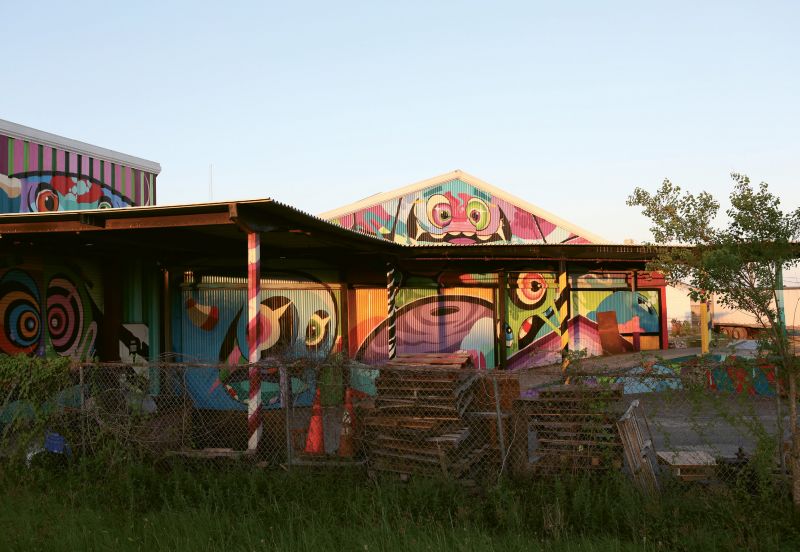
741,263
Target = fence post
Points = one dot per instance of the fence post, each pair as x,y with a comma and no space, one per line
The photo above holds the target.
286,400
501,435
183,409
82,409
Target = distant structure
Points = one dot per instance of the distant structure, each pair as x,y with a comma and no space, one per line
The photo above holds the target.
42,172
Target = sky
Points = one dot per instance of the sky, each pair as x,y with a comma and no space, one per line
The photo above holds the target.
569,105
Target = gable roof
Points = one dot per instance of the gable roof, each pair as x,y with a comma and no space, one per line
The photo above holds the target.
457,174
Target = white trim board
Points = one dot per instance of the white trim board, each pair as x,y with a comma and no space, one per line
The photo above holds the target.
22,132
469,179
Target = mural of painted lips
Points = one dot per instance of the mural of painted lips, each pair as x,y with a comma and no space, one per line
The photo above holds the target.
429,324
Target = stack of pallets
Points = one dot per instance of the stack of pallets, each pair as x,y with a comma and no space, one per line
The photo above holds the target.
572,429
417,426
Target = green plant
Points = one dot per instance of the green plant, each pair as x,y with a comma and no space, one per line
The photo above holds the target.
741,263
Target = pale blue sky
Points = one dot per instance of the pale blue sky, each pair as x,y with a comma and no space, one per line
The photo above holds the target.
569,105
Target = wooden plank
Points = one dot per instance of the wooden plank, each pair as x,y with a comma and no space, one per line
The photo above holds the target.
686,458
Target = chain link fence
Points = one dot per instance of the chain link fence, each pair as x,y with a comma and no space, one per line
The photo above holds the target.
717,421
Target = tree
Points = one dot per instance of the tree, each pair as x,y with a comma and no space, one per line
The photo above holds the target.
740,263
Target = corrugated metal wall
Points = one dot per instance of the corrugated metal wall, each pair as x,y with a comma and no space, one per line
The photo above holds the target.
454,212
302,320
51,308
30,165
531,311
307,317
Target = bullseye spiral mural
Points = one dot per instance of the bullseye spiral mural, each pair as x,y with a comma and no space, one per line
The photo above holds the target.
48,312
20,311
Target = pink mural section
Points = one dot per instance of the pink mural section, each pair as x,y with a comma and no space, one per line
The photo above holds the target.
36,177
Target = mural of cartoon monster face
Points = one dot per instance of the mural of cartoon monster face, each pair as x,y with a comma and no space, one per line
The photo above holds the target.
65,192
454,212
457,217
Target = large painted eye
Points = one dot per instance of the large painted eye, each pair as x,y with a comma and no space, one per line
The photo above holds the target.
46,200
531,289
317,328
478,213
20,320
64,316
439,211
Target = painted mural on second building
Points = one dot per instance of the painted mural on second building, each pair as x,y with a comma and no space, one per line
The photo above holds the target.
454,212
39,177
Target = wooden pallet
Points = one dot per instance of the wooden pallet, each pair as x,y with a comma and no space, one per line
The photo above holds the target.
574,428
638,448
689,465
418,425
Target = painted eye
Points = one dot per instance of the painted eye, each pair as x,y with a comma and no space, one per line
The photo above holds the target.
104,203
439,211
317,329
46,200
478,213
531,289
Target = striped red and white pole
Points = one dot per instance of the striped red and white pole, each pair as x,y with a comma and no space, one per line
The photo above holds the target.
253,345
392,288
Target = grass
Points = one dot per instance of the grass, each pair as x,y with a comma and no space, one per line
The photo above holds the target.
190,507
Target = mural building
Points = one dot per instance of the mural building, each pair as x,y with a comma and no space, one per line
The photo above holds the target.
41,172
505,318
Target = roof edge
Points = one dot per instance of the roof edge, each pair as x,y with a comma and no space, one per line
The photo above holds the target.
380,197
17,131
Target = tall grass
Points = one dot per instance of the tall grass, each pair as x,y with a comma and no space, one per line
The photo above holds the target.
200,507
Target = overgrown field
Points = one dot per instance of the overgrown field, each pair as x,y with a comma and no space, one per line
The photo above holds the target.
200,507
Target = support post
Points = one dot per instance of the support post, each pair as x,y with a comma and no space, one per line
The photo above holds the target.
351,321
502,311
562,304
254,422
392,287
662,313
704,334
637,337
166,316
